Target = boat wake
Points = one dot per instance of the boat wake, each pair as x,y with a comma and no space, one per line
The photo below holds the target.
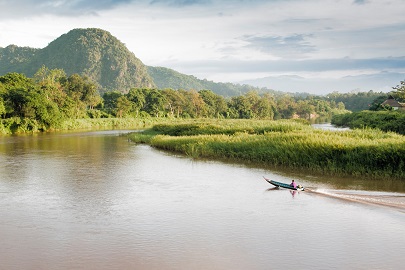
389,199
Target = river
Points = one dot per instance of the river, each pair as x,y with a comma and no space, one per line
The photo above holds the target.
94,200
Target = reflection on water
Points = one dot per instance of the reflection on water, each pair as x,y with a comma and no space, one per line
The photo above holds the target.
93,200
329,126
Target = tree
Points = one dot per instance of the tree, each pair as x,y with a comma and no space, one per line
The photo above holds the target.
240,107
53,77
286,107
265,107
354,101
154,102
33,105
124,106
187,107
174,101
376,104
137,97
216,105
16,80
83,90
16,100
197,102
2,108
253,99
111,101
305,109
399,92
340,106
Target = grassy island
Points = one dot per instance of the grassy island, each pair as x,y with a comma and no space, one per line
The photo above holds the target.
288,143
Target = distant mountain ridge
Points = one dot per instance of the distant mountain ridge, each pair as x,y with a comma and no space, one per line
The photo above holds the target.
100,56
379,82
169,78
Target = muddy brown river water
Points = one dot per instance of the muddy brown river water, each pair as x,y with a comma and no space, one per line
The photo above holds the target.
94,200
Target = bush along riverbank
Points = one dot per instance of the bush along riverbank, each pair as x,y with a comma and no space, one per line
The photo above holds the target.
384,120
366,153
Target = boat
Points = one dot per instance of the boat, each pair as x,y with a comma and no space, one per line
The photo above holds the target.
283,185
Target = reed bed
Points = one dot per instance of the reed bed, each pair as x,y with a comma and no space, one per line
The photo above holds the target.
97,123
366,152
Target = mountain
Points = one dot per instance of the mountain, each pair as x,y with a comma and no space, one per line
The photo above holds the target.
168,78
379,82
100,56
14,58
92,52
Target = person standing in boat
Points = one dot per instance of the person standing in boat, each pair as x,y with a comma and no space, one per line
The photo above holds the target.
293,184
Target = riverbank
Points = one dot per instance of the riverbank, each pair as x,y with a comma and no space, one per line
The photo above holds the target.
287,143
27,126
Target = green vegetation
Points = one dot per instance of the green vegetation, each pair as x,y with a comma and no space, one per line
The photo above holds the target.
93,81
51,99
96,54
168,78
286,143
384,120
379,116
357,101
91,52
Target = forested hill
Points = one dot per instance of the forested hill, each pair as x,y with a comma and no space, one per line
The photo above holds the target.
14,58
92,52
169,78
100,56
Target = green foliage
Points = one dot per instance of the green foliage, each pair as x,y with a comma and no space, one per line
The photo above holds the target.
137,98
42,104
356,101
399,92
154,102
52,97
93,113
376,104
229,127
2,107
16,80
367,152
91,52
168,78
216,105
286,107
384,120
15,59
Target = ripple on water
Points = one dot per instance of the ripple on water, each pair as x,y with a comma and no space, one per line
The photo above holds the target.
389,199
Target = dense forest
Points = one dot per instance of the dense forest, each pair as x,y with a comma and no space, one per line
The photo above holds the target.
44,101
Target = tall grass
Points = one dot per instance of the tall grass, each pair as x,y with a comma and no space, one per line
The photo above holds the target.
24,125
366,152
100,123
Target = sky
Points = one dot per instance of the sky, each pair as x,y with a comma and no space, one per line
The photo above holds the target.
234,40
